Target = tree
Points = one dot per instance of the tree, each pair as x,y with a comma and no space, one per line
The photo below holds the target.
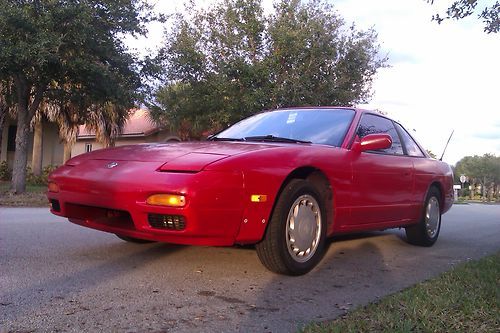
230,61
3,112
431,154
68,52
106,120
483,170
460,9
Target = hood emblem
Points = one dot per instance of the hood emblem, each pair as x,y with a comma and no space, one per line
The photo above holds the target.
111,165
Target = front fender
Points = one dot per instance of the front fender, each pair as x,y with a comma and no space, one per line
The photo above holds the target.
256,214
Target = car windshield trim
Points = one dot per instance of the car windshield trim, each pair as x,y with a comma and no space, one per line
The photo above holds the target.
216,138
272,138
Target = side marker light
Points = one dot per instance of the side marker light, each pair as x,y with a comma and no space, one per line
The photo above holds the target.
258,198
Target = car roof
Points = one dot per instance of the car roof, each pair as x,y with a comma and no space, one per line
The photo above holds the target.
313,107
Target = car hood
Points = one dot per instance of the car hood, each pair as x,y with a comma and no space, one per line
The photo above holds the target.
173,156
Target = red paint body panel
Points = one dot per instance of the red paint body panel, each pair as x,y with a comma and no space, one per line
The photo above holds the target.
370,190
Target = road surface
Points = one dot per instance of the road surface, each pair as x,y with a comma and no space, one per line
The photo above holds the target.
60,277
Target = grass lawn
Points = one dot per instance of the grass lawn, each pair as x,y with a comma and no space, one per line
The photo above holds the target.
34,196
465,299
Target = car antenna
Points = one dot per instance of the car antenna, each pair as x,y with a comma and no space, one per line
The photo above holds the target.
446,145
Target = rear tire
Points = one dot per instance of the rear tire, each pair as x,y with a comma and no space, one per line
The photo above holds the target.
134,240
294,241
426,232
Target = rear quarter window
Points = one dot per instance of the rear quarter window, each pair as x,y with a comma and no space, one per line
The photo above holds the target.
412,148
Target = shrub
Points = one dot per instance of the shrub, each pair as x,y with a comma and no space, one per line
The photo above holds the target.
43,178
5,173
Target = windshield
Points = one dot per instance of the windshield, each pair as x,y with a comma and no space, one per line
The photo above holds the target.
322,126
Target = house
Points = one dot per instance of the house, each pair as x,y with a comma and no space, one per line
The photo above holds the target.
45,136
139,128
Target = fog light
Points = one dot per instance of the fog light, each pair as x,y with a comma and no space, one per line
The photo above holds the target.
171,200
53,187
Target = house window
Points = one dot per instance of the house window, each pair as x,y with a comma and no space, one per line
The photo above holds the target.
88,147
11,138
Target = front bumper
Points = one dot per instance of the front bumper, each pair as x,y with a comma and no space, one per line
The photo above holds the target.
115,201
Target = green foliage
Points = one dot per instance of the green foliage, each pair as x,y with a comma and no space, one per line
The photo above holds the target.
70,56
33,179
483,170
460,9
70,48
462,300
230,61
5,173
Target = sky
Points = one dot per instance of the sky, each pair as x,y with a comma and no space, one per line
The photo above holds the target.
441,77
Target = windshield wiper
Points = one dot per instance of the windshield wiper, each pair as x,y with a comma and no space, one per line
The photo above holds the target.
272,138
215,138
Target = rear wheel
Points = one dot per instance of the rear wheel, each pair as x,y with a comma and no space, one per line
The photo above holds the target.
426,232
295,238
134,240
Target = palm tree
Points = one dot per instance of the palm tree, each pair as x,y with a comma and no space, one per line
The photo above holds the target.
68,110
106,121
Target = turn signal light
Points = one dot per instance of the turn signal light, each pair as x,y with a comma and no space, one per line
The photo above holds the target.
53,187
171,200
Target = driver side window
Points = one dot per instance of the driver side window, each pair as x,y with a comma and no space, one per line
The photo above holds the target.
373,124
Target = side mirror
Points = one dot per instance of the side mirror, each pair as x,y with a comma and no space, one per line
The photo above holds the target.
373,142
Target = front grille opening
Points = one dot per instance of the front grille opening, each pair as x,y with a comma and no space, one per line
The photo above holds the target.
167,222
99,215
54,204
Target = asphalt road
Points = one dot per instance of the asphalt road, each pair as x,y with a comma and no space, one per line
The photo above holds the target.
60,277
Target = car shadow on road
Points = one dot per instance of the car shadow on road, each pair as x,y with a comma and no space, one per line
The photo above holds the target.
353,266
353,271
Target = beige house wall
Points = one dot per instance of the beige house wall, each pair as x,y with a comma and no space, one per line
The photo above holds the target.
52,148
3,148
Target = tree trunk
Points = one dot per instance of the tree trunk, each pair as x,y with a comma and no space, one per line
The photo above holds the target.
3,114
36,163
483,188
21,154
25,113
3,117
67,151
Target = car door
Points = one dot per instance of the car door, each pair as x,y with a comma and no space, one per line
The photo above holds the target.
423,171
382,182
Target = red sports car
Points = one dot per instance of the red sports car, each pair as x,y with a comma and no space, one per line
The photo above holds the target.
284,180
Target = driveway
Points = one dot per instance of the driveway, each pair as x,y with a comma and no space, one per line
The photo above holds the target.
59,277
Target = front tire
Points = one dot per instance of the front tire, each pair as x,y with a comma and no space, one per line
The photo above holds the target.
426,232
295,238
134,240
